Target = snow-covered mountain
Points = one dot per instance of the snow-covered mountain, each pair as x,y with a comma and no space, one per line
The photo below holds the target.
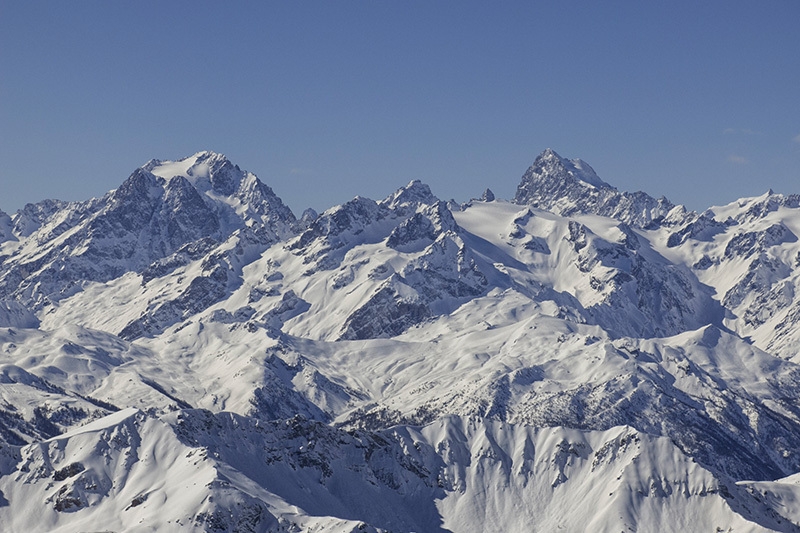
162,215
569,187
184,353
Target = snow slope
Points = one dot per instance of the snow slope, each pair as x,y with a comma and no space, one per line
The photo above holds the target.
184,353
194,470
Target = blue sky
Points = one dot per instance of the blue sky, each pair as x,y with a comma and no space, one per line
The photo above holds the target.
697,101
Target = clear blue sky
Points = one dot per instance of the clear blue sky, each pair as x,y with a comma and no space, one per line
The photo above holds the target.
695,100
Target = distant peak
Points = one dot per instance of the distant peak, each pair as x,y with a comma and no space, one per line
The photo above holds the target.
203,156
549,153
416,185
207,156
550,165
207,153
415,193
205,170
568,186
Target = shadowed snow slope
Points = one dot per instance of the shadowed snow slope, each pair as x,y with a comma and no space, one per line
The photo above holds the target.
185,354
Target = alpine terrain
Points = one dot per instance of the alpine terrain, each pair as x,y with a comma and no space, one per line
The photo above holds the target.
186,354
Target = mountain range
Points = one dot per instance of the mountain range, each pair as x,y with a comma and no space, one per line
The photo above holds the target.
185,353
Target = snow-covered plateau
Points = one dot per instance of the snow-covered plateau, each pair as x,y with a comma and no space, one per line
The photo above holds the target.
185,354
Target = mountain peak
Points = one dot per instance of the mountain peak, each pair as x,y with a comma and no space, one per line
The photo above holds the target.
207,154
549,166
205,170
414,194
570,186
549,153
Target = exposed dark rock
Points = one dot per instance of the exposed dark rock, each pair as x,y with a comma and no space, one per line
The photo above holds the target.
572,187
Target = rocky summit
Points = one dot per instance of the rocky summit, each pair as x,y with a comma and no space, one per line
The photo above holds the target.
184,354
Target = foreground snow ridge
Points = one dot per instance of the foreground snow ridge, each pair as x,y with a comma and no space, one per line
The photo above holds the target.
184,354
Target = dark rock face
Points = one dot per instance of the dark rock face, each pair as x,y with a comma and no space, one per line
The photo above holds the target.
386,314
71,470
202,292
703,228
182,257
416,228
749,243
131,207
444,271
423,227
223,177
761,274
184,214
352,217
409,198
137,227
33,216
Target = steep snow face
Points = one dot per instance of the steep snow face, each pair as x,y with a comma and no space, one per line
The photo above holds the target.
195,471
747,251
694,389
537,476
183,354
603,271
126,472
572,187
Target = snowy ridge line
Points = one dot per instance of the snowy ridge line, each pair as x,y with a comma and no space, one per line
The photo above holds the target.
185,354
